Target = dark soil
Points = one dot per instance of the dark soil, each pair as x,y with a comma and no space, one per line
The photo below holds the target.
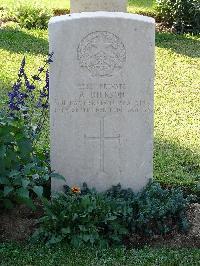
19,224
175,240
192,238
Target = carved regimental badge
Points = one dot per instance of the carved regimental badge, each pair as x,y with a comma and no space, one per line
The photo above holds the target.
102,53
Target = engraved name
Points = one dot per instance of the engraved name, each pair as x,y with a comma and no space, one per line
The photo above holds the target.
102,98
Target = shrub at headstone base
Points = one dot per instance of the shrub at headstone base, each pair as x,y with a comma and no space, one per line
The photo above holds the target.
83,216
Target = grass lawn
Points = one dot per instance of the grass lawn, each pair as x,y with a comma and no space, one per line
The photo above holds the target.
177,97
134,5
62,255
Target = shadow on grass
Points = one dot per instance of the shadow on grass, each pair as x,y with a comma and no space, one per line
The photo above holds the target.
5,87
176,165
180,44
18,41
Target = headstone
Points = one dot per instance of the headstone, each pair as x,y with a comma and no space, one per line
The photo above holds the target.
98,5
101,99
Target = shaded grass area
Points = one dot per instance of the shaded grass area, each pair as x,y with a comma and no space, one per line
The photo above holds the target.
177,97
11,254
14,44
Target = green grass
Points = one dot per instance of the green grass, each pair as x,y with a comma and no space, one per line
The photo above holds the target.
46,3
177,97
134,5
142,6
62,255
14,44
177,112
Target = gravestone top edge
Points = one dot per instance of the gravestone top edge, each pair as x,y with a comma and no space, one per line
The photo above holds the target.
101,14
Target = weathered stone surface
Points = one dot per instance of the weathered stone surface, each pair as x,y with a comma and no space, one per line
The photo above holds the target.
77,6
101,99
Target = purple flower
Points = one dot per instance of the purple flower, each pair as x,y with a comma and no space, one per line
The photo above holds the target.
41,69
36,77
17,86
23,90
29,86
44,94
23,63
50,56
47,82
13,106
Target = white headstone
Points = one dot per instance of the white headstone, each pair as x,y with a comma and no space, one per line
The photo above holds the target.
97,5
101,99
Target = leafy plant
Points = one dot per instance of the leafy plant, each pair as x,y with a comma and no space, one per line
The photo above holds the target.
31,95
7,14
86,216
22,174
24,169
33,17
183,15
81,218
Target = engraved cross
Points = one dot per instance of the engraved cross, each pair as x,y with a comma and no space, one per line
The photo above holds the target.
102,138
100,46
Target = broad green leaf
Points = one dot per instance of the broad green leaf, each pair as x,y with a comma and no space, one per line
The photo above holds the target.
75,216
86,202
22,192
27,168
2,151
111,218
25,149
17,181
11,160
7,190
82,228
25,183
38,190
86,237
14,173
4,180
116,238
75,241
66,231
57,176
123,231
45,177
5,130
35,176
55,239
3,167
